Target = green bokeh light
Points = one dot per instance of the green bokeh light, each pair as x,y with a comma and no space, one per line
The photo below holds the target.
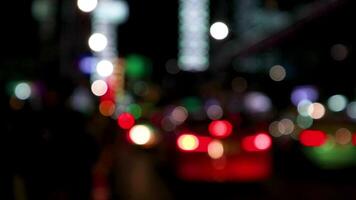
137,66
332,156
192,104
135,110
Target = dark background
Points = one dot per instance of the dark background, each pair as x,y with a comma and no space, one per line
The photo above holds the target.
52,150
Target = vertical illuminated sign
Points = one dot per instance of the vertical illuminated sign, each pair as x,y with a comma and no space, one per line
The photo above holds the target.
193,53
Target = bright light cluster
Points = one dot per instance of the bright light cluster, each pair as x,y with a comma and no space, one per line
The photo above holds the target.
262,141
258,142
126,120
97,42
316,110
215,149
23,91
104,68
140,134
115,12
219,30
220,128
99,87
188,142
87,5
